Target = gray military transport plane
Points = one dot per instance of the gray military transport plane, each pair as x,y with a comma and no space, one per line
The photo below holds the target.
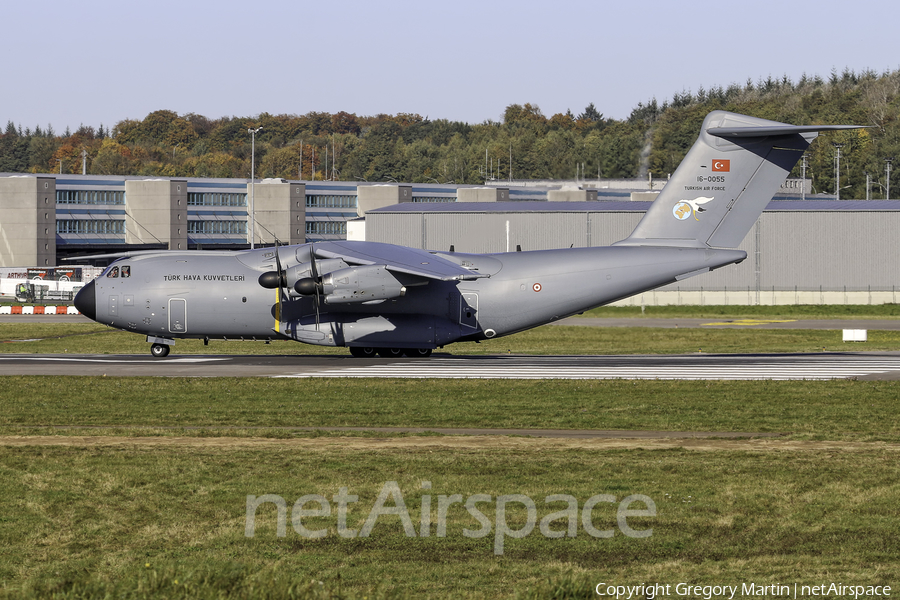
391,300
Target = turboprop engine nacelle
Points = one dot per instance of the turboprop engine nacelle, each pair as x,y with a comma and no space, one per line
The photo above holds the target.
290,276
361,284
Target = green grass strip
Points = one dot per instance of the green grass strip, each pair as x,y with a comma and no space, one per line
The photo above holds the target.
834,410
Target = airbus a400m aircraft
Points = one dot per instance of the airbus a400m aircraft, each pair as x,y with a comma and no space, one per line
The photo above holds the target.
390,300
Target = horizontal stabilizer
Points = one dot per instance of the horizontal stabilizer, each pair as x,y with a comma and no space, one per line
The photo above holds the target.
774,130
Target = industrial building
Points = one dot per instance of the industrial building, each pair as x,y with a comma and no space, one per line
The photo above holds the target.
45,218
800,251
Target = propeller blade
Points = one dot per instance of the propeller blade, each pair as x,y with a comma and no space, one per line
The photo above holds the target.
281,283
315,277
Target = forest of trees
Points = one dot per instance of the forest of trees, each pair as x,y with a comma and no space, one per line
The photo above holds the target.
410,148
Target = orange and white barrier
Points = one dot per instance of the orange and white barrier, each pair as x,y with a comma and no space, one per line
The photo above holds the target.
39,309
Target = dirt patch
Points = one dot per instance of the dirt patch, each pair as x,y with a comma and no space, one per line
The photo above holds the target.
446,442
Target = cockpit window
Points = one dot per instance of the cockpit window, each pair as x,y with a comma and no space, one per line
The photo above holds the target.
113,272
126,271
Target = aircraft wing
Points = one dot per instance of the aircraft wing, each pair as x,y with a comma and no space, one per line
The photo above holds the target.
398,259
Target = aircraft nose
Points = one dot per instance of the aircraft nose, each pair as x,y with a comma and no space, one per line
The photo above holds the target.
86,301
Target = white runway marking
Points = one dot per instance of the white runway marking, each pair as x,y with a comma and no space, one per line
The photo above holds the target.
789,367
100,359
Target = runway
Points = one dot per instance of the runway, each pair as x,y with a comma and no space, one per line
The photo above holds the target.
819,366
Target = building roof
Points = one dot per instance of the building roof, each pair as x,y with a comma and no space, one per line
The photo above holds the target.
624,206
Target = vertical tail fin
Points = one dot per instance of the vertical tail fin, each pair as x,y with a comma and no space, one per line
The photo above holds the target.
725,181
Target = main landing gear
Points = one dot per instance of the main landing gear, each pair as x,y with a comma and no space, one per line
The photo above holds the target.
160,346
363,352
159,350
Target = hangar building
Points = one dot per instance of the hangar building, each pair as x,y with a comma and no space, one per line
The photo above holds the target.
799,252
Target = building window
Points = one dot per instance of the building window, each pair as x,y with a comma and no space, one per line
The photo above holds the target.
326,228
216,199
90,197
330,201
91,226
217,227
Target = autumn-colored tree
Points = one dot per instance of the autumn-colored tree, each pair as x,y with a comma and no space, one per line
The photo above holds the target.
70,156
180,133
318,123
529,114
344,122
155,126
113,158
281,162
214,165
562,121
126,131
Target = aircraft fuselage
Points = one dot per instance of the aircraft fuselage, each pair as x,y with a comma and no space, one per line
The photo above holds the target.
217,295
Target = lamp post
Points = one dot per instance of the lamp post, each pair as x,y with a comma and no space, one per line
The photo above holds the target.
837,171
803,177
887,170
252,133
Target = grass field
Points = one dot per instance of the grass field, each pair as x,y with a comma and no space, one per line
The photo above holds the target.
169,520
137,487
555,339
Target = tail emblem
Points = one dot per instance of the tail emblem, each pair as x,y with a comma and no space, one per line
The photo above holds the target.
682,210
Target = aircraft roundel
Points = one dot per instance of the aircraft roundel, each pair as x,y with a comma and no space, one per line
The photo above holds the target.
536,287
682,210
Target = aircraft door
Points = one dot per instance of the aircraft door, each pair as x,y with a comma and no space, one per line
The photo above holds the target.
468,309
177,315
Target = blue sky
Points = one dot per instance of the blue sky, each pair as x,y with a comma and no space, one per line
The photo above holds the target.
101,61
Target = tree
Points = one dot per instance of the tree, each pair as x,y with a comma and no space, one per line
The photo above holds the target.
590,114
562,121
113,159
529,114
126,131
40,154
344,122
